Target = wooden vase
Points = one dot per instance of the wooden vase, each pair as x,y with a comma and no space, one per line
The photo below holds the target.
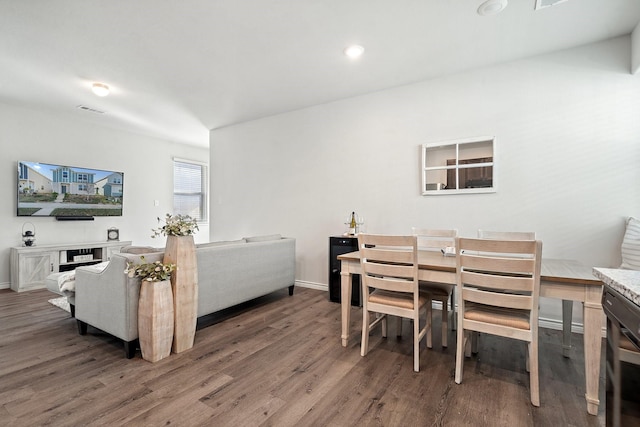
155,320
181,251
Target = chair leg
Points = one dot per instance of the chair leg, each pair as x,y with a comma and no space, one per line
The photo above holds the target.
398,326
474,342
364,345
454,318
429,320
384,324
445,322
460,345
468,342
534,378
416,343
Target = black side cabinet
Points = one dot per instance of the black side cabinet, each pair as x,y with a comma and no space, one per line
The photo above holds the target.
339,245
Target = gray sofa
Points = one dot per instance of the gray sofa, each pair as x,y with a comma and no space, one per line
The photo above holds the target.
229,273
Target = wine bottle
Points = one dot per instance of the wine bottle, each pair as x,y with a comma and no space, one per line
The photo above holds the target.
352,224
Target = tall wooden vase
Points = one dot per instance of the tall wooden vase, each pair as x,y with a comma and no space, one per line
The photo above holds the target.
181,251
155,320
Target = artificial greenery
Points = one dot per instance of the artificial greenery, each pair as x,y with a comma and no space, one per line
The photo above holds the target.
176,225
150,272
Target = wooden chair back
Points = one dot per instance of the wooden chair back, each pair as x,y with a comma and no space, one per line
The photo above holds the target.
434,239
507,235
389,262
499,273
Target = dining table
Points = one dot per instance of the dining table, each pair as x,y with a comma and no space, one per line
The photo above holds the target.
567,280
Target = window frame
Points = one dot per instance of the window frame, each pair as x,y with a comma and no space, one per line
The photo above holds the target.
204,187
459,165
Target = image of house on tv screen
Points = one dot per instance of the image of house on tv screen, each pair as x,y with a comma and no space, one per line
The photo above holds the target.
65,191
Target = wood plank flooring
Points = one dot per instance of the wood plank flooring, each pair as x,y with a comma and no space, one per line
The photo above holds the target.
275,362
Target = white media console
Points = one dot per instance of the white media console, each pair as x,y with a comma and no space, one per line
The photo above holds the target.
30,265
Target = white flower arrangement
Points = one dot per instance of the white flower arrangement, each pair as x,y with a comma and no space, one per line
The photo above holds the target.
176,225
150,272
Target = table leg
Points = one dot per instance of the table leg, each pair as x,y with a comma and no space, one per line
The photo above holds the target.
345,304
592,315
567,317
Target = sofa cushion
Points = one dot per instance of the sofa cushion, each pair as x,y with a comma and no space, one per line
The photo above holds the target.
631,245
221,243
265,238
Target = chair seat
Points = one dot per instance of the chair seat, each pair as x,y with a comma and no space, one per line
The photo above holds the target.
511,318
397,299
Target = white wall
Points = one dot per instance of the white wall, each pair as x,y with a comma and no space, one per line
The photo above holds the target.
567,148
63,139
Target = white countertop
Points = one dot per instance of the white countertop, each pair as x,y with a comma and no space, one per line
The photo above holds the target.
627,282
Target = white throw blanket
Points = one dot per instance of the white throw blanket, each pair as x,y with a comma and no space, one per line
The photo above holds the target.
67,280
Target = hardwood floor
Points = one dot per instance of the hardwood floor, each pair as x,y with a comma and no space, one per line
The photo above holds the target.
276,362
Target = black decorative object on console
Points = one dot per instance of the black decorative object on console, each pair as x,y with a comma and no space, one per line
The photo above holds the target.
113,234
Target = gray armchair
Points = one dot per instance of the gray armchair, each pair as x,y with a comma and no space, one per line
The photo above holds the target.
108,300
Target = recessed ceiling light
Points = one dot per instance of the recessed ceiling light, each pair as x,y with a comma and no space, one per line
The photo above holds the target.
492,7
100,89
354,51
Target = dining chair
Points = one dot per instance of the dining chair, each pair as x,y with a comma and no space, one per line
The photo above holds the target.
498,284
436,240
390,286
502,235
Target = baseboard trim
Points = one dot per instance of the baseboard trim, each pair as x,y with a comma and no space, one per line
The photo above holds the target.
312,285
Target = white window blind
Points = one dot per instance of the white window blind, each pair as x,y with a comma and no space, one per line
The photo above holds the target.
189,189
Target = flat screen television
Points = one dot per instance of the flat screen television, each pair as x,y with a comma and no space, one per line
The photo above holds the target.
68,192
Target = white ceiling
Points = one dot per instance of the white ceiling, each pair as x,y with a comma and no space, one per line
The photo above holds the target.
180,68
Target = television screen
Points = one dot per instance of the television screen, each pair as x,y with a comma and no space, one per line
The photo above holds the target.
65,191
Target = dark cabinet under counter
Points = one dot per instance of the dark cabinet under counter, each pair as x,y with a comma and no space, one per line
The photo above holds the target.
339,245
620,304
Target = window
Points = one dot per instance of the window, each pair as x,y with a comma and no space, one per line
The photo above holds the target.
460,166
189,189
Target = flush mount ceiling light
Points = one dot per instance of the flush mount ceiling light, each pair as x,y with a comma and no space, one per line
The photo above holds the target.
354,51
100,89
492,7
